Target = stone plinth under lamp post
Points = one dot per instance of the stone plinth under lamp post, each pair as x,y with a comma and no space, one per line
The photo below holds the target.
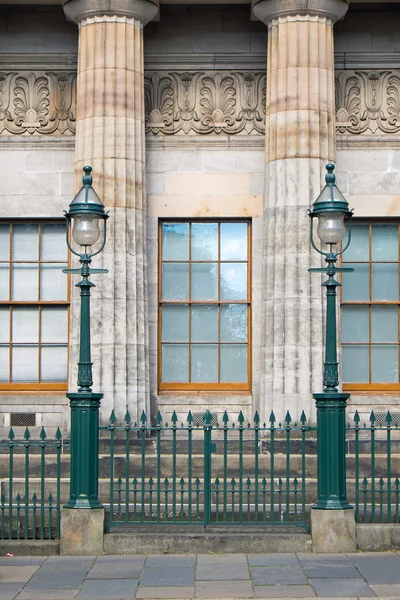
82,523
332,518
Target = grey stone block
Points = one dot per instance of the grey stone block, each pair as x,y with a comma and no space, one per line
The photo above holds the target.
172,560
284,591
290,574
346,41
167,576
333,530
378,568
111,589
60,573
333,588
269,560
332,571
221,559
214,572
223,42
117,567
47,595
82,531
8,591
224,589
165,592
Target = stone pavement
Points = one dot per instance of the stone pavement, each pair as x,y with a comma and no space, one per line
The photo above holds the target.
201,576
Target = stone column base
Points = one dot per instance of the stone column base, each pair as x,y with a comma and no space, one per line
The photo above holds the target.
333,531
82,531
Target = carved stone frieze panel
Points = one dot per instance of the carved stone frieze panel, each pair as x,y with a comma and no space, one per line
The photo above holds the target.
37,102
368,102
217,102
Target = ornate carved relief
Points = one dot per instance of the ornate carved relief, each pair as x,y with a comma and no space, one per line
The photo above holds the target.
207,102
37,103
368,102
222,102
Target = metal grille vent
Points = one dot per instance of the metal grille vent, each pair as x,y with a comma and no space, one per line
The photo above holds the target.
380,419
22,419
198,420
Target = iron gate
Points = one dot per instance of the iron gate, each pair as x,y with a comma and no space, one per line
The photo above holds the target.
229,473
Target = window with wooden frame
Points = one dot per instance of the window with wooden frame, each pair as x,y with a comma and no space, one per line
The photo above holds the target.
370,308
34,306
204,306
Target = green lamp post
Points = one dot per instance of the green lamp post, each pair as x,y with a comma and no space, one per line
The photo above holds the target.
330,209
85,213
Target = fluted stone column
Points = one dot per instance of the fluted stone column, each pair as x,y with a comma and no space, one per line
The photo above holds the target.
110,138
300,139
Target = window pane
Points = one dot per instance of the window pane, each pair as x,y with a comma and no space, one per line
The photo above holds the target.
205,241
175,363
204,323
385,242
233,281
385,281
355,364
4,281
54,325
175,323
25,242
4,363
175,241
205,281
359,247
53,363
204,363
4,325
25,325
233,363
53,282
356,284
385,324
53,243
234,241
175,281
234,323
24,363
355,324
385,367
25,282
4,242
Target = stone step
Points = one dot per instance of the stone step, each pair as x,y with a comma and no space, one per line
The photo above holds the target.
233,465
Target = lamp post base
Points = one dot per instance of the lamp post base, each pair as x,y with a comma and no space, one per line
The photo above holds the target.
333,531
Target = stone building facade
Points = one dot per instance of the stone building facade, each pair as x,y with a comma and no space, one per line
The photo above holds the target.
208,126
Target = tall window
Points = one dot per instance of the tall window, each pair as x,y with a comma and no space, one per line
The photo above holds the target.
204,305
33,306
370,308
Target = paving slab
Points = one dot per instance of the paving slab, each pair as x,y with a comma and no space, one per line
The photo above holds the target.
339,588
61,573
283,591
47,595
224,589
117,567
167,577
292,574
332,571
269,560
20,574
8,591
171,560
110,589
221,559
218,571
21,561
386,590
378,568
165,592
302,556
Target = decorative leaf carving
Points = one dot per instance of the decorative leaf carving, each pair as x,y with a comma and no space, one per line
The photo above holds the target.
159,103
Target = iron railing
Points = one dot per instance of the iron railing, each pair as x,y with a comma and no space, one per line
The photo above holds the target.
373,463
234,473
30,487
